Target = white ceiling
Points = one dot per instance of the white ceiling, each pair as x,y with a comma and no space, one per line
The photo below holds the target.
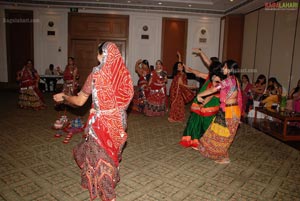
221,7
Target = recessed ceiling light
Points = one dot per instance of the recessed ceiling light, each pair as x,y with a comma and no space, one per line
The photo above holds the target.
159,3
231,0
128,1
190,5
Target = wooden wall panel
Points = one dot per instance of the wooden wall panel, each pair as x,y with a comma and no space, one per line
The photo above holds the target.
295,72
85,53
283,44
19,42
249,44
173,39
95,25
264,42
87,31
233,37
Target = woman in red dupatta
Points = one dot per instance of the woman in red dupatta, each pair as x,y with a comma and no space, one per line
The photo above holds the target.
98,156
180,94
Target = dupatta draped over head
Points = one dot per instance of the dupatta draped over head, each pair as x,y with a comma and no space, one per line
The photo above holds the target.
112,91
98,157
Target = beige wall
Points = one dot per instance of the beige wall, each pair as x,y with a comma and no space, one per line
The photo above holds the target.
276,50
46,48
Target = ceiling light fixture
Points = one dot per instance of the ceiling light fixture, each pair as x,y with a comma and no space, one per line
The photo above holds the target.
190,5
159,3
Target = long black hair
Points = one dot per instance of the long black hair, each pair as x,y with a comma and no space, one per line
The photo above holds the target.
175,68
233,67
274,80
100,48
297,88
261,76
215,68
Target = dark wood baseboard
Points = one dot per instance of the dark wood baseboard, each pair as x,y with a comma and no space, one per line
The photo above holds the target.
6,86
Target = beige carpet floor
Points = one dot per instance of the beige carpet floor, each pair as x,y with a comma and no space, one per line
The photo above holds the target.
36,166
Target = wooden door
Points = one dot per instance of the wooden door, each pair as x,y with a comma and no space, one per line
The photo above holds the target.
85,54
19,40
174,39
87,30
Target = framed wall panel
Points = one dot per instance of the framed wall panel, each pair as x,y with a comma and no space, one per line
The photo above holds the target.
295,72
282,48
249,44
264,42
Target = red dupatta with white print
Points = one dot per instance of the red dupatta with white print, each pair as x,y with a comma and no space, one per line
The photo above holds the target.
112,91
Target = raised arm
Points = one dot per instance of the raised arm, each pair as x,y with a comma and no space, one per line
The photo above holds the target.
138,70
197,73
206,60
179,56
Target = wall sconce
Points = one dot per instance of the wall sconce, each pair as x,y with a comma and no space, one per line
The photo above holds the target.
145,28
203,38
50,23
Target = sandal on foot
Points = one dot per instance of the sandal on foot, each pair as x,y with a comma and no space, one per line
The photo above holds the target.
195,146
66,141
57,135
223,161
185,143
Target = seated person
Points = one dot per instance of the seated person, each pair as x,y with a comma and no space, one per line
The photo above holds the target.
259,86
281,91
257,91
294,99
272,98
52,71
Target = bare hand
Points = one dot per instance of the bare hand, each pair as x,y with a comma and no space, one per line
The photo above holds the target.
92,111
196,51
200,99
58,97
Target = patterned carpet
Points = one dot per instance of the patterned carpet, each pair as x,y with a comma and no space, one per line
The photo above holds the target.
36,166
